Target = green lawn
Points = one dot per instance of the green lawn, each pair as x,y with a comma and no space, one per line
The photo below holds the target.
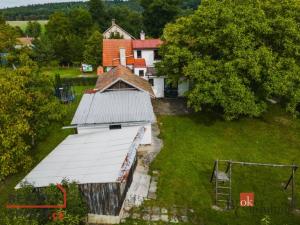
65,72
192,143
43,148
23,24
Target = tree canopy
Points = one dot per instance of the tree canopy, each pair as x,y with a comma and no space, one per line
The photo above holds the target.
157,13
28,107
237,54
33,29
93,49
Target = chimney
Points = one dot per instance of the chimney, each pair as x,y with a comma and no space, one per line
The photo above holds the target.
123,56
142,35
113,22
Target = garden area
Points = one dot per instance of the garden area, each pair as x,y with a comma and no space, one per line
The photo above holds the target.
193,142
55,136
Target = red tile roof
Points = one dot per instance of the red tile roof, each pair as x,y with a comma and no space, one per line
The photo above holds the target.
139,63
146,44
123,73
111,50
130,61
25,40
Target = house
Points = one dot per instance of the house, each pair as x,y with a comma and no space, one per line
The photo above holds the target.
139,56
116,30
24,42
120,100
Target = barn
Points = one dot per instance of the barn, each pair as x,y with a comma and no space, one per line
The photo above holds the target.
102,163
119,101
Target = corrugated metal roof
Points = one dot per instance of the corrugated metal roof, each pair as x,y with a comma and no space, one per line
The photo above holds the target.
87,158
114,107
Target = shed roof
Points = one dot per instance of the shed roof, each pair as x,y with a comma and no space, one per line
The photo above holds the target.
114,107
98,157
146,44
123,73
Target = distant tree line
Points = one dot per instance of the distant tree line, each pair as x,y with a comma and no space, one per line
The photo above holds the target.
44,11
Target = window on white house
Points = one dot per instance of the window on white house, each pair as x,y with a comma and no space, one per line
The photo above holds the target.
151,81
156,55
139,54
115,127
141,73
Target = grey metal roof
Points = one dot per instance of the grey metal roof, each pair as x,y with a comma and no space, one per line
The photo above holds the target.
114,107
98,157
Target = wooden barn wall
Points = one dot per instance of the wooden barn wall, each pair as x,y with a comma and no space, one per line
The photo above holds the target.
107,198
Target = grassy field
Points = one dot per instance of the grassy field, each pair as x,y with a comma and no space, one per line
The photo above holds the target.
192,143
43,148
65,72
22,24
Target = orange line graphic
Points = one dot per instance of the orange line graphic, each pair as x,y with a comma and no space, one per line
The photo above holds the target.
43,206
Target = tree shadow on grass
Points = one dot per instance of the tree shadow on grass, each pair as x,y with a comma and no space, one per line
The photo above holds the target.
206,118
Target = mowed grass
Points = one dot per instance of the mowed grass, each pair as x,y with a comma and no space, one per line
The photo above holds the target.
65,72
23,24
44,147
192,143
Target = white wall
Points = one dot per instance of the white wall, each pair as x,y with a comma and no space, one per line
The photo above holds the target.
148,55
159,87
136,71
183,87
113,29
147,139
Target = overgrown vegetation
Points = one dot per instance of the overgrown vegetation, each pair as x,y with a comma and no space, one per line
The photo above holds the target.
28,108
74,214
237,54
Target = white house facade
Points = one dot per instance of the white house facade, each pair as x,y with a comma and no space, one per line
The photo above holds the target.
140,56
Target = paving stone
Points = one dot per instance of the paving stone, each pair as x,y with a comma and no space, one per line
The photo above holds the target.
147,210
164,211
217,208
174,219
155,218
152,195
125,215
146,217
136,216
155,172
164,218
184,219
156,210
191,210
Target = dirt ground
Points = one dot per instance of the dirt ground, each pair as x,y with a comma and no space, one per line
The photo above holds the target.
170,106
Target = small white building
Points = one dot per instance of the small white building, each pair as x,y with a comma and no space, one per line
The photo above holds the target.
120,100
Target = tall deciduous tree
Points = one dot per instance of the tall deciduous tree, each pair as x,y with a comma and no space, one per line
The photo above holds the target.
237,54
93,49
7,38
98,12
33,29
28,107
157,13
